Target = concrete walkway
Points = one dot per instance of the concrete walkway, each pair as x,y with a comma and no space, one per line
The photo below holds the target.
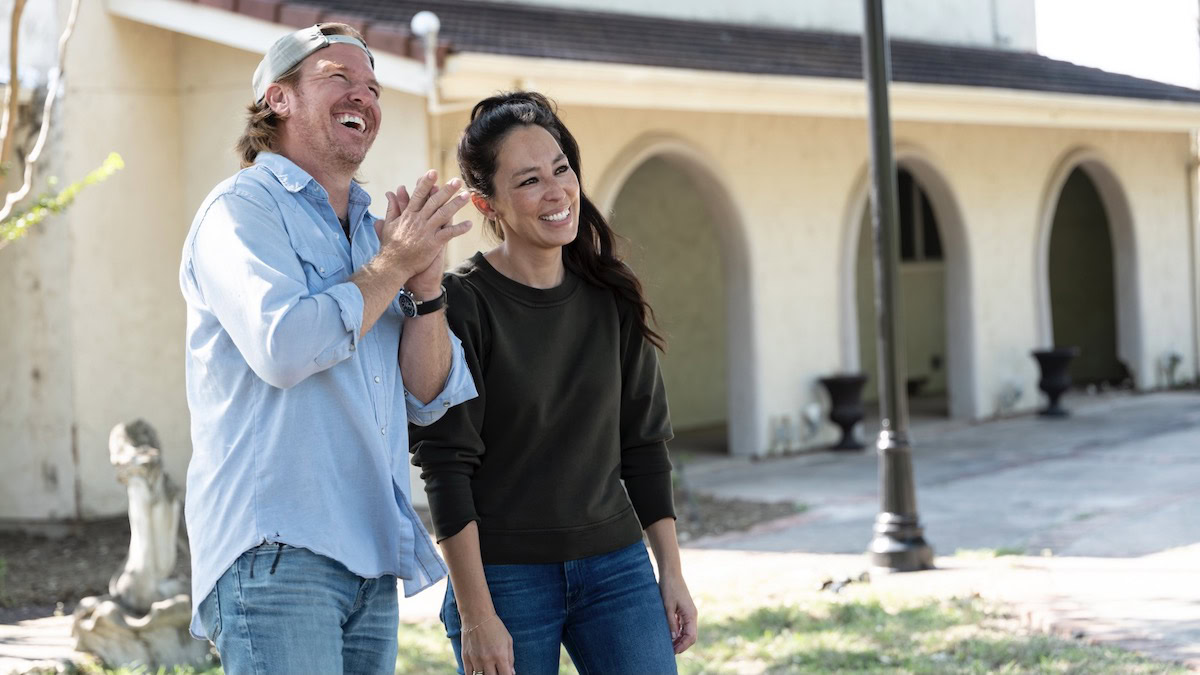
1106,505
1120,478
37,643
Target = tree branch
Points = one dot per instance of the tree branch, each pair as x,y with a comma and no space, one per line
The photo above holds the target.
51,95
13,91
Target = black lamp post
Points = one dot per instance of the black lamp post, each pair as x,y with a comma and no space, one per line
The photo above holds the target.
899,541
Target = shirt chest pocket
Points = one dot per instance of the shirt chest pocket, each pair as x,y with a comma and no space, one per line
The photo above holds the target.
321,270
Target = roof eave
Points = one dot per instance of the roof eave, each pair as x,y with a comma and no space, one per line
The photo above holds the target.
253,35
469,76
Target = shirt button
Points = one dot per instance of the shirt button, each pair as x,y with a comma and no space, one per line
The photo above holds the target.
377,380
321,270
351,347
383,430
445,404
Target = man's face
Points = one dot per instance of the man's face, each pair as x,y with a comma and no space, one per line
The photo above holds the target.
334,110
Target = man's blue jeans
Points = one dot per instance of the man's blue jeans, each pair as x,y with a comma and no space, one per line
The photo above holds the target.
606,610
289,610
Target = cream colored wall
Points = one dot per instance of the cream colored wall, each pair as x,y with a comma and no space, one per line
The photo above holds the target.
38,477
38,480
124,304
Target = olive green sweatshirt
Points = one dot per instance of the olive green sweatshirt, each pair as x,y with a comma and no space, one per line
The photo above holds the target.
563,454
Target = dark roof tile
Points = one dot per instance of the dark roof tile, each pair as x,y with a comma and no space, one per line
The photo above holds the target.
300,15
267,10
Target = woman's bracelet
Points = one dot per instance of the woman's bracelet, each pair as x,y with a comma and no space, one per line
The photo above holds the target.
479,624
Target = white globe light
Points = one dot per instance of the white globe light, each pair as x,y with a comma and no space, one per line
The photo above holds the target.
425,23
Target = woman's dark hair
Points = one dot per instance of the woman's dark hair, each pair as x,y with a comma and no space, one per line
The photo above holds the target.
591,255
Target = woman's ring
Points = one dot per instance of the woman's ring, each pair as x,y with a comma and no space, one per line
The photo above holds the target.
476,672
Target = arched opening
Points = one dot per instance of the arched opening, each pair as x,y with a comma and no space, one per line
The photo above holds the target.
922,299
1085,208
675,250
935,291
688,248
1082,285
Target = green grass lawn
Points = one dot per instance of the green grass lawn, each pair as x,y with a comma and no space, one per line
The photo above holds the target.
856,631
853,632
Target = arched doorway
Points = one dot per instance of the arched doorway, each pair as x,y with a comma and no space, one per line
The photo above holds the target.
1082,284
675,250
939,324
1086,199
688,247
922,286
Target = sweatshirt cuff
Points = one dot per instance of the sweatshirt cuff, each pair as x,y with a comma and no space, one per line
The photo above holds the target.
451,506
652,497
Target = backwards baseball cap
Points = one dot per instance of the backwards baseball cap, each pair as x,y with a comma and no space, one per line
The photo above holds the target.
292,49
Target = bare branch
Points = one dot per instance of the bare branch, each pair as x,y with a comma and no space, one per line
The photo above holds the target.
51,94
13,91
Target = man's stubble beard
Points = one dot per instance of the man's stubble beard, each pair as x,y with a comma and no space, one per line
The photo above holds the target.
330,153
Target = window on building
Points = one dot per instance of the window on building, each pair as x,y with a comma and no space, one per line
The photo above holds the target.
919,240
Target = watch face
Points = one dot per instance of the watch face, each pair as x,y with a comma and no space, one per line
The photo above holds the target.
407,305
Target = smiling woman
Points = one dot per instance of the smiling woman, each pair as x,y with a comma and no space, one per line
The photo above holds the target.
537,198
552,494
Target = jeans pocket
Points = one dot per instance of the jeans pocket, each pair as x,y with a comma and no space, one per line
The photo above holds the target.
210,615
449,614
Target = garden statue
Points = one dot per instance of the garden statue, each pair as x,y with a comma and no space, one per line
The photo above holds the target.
144,618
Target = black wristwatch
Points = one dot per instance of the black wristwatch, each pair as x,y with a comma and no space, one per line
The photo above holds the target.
411,307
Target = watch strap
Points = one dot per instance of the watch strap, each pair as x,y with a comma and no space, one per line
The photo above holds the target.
427,306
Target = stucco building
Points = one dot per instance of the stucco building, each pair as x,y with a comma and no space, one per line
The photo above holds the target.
1043,203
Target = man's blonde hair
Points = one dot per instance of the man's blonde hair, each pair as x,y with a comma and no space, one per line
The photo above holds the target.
262,124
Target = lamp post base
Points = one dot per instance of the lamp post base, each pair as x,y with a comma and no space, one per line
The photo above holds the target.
899,545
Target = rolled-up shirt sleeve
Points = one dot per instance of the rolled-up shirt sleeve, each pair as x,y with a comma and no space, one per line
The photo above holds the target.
459,387
251,278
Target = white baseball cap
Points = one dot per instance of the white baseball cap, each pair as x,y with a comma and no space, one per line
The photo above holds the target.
292,49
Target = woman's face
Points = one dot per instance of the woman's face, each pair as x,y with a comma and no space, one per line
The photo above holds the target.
536,192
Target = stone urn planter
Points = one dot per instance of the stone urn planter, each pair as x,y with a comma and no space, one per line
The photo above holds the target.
1055,377
846,409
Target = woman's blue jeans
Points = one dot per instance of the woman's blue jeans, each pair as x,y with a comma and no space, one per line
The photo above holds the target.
606,610
289,610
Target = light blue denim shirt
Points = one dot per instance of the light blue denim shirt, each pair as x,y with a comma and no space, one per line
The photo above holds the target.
299,427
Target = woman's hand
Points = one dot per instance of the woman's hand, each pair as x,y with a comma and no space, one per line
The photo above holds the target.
681,611
487,648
